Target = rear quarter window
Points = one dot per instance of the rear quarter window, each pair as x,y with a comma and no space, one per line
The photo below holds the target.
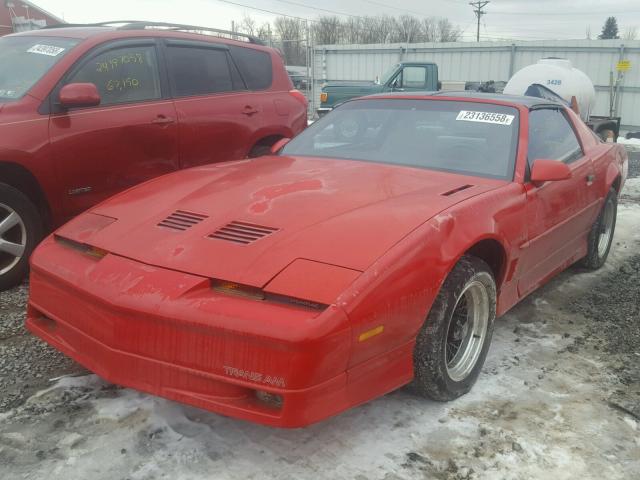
201,71
254,65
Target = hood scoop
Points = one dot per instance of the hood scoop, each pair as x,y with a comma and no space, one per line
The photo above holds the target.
181,220
242,232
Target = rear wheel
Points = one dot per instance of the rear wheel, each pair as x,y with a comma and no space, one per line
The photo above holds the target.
454,340
20,230
601,234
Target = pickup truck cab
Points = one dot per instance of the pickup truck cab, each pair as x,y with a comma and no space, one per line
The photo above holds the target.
401,77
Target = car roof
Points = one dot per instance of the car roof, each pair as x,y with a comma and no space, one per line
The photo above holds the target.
523,100
129,28
67,32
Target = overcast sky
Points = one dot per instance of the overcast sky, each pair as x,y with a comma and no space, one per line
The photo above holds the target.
519,19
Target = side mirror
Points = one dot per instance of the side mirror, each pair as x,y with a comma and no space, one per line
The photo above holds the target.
276,147
79,95
549,171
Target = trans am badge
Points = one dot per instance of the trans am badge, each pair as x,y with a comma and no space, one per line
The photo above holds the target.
254,376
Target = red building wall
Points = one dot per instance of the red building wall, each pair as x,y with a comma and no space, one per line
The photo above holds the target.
20,10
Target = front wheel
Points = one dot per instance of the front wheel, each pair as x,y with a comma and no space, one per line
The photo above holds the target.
454,340
20,230
601,234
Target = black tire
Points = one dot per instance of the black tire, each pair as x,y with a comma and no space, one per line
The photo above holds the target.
597,252
432,372
11,200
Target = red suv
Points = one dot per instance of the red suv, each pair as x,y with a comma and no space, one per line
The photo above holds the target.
88,111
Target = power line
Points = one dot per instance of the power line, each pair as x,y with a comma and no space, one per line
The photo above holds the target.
380,4
264,10
576,13
318,8
478,10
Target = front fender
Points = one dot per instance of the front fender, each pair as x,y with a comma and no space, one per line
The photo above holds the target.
398,290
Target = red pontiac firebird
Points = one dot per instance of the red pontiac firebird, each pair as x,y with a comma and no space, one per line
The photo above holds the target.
373,250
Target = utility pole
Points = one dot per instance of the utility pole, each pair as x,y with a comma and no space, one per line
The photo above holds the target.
478,10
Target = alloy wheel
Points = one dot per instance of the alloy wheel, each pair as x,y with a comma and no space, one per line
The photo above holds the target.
13,238
467,331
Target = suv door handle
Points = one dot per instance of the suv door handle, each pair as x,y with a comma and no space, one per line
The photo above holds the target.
162,120
590,178
249,110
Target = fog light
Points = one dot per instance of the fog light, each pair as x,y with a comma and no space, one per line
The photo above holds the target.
272,400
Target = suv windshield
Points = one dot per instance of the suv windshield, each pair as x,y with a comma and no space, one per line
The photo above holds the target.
462,137
24,60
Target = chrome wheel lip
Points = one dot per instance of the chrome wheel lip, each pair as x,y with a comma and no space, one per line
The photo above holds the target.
5,213
606,228
478,312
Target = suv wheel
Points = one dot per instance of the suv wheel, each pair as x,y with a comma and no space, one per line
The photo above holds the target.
20,230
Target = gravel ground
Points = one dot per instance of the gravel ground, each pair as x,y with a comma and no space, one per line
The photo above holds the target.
26,363
559,398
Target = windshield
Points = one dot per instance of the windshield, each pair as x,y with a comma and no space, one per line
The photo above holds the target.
462,137
386,76
24,60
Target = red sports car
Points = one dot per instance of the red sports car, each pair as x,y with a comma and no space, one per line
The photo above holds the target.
374,250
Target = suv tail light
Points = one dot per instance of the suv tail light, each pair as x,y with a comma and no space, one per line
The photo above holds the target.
298,95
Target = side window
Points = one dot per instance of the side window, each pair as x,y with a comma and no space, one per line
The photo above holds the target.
414,77
122,75
200,71
551,137
255,66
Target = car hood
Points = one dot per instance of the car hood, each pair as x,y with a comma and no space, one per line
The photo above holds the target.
339,212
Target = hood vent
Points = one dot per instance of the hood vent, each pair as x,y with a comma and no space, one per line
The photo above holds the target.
456,190
181,220
242,232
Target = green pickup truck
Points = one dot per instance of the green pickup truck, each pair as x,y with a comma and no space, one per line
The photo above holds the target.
402,77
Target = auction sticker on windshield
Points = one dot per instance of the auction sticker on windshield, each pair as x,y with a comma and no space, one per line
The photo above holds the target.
49,50
485,117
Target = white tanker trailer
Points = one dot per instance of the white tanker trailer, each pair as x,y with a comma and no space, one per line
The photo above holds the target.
556,77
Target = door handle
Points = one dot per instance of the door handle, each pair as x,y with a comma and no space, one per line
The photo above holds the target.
162,120
590,179
249,110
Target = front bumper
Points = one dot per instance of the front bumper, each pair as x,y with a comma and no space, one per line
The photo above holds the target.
169,334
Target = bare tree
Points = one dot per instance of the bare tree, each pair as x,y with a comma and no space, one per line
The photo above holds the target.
447,32
351,30
291,33
264,33
429,29
327,30
381,28
408,29
631,33
248,25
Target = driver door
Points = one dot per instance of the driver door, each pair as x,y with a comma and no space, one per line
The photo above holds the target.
558,214
131,137
410,78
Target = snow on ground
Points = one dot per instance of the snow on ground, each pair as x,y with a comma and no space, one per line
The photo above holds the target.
631,144
632,189
541,409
